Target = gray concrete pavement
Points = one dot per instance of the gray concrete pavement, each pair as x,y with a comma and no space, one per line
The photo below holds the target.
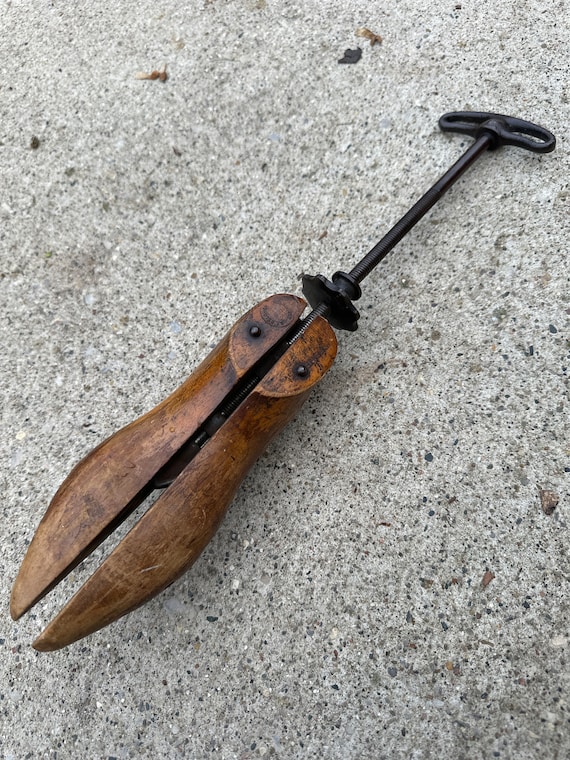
386,583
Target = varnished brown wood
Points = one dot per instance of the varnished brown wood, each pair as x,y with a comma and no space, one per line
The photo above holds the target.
114,478
173,532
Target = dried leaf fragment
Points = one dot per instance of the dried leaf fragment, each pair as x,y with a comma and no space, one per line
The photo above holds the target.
368,35
162,75
487,578
548,500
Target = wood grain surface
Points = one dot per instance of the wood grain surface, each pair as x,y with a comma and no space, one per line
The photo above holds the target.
173,532
116,477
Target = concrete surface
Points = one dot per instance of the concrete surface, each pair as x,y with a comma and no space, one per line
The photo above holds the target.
340,612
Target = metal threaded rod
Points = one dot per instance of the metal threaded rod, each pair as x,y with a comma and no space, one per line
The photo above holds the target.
419,209
320,311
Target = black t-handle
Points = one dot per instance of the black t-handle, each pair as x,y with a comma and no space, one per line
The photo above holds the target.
505,130
333,298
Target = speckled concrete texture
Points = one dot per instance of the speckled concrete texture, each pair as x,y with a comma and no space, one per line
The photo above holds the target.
386,583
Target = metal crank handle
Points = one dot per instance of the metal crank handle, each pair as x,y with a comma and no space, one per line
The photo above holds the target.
122,471
490,130
503,130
